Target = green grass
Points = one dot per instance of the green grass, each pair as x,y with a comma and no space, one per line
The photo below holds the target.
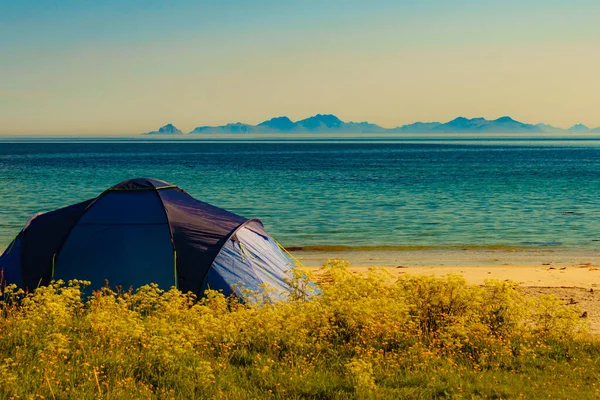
362,337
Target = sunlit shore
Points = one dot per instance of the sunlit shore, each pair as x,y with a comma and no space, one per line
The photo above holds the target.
450,256
573,276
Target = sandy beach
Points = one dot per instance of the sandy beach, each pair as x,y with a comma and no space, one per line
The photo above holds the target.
573,276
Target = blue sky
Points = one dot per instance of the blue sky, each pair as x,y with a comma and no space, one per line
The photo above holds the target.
125,67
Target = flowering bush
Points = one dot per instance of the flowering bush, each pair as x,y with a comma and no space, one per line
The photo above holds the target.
359,336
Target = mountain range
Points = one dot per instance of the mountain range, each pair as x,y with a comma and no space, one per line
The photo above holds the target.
328,123
168,129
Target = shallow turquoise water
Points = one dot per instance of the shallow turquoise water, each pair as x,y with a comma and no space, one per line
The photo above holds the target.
479,193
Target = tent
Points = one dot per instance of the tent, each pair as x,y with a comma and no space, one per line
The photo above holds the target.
147,231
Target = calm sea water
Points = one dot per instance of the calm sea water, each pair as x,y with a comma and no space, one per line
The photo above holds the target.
322,194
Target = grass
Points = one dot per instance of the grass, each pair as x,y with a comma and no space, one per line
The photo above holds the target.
360,337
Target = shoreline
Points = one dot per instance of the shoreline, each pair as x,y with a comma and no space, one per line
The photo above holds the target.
458,256
572,276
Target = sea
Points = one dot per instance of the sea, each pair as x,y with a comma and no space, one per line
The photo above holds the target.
327,194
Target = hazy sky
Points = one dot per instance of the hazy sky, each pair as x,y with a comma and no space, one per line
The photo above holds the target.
116,66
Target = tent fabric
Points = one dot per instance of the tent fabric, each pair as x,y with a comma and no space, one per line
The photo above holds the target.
12,258
199,231
141,231
142,184
121,229
252,259
41,240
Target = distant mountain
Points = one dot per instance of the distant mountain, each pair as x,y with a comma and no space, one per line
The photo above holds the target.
237,127
549,128
168,129
320,122
331,123
417,127
461,124
482,125
328,123
579,128
282,124
362,127
316,124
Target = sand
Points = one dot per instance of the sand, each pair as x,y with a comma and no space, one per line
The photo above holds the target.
574,277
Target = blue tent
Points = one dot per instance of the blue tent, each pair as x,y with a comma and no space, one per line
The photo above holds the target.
146,231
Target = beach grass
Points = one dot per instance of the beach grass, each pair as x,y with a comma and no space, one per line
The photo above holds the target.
362,336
